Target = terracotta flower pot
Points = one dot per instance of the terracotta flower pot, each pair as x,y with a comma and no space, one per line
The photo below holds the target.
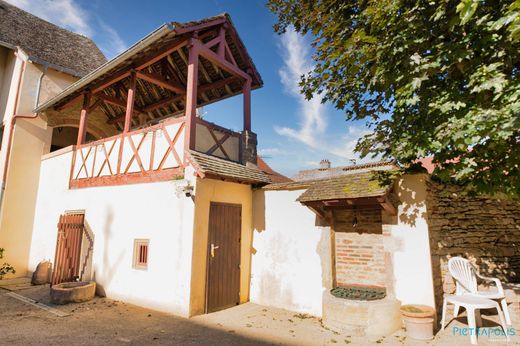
418,321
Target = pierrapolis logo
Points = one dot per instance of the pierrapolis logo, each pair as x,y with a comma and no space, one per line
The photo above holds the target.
490,332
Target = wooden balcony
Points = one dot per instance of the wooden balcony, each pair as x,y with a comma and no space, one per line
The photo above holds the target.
151,154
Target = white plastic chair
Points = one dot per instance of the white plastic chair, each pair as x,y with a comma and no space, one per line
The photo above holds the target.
465,275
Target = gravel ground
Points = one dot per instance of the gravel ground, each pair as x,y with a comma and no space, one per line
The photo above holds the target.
109,322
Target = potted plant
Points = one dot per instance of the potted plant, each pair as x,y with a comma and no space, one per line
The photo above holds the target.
418,321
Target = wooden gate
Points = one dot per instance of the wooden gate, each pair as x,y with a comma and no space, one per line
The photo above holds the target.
68,248
223,266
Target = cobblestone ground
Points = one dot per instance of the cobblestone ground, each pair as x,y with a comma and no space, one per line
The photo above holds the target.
105,321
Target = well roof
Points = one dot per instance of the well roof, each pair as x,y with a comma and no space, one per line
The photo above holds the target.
323,173
357,185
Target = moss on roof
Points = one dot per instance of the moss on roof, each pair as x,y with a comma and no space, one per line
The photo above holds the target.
358,185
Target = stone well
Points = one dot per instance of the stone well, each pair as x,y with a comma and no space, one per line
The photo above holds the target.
374,318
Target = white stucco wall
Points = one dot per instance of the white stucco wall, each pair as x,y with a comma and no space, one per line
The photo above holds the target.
291,261
410,243
117,215
291,256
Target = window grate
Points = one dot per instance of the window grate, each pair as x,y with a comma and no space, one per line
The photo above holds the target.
141,247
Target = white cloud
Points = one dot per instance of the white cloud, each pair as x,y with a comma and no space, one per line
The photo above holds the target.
114,44
313,124
313,119
269,151
70,15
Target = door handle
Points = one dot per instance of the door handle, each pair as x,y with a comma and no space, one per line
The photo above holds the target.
213,248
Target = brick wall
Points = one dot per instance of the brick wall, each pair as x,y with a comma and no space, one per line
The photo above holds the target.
360,258
484,230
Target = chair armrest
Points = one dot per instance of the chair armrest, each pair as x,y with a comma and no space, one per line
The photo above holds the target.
495,280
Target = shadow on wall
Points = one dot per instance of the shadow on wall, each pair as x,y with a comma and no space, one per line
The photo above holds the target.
87,252
104,276
413,205
259,210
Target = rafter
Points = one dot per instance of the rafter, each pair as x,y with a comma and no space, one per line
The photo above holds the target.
116,102
219,61
175,98
160,81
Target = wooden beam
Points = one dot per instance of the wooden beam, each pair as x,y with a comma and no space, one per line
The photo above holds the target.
95,105
161,54
129,178
82,132
247,104
222,37
201,26
171,99
219,61
191,97
117,102
130,104
160,81
387,205
145,62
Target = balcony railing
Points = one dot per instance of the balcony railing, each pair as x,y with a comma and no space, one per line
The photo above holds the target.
151,154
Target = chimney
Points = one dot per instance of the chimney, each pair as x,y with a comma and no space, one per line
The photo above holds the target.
324,164
248,148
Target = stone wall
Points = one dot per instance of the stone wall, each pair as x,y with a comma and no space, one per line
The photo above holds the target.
360,258
484,230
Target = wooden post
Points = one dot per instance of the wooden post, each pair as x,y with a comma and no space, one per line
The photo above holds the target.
191,97
130,103
82,132
247,104
128,118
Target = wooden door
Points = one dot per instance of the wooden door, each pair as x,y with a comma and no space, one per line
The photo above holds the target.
68,248
223,266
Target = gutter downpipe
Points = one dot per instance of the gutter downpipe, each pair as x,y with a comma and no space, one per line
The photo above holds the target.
12,124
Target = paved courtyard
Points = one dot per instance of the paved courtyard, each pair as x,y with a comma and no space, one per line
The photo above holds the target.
105,321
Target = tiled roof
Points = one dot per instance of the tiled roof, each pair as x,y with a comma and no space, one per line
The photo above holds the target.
46,42
211,165
291,185
273,175
322,173
356,185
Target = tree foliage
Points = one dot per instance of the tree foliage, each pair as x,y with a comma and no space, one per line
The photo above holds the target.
430,78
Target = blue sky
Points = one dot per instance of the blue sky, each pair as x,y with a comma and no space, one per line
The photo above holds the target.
293,133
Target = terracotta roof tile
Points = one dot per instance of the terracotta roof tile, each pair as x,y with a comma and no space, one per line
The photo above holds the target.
46,42
211,165
356,185
273,175
320,173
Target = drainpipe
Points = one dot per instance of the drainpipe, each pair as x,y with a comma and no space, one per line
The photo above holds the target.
39,87
12,123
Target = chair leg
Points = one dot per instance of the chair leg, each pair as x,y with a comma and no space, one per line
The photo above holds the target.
456,310
472,326
502,322
444,306
506,311
478,318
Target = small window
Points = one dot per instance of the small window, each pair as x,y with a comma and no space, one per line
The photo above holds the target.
141,253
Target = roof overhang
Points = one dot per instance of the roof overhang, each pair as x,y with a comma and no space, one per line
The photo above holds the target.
160,62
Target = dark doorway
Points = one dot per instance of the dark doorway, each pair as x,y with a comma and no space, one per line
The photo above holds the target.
223,266
65,136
